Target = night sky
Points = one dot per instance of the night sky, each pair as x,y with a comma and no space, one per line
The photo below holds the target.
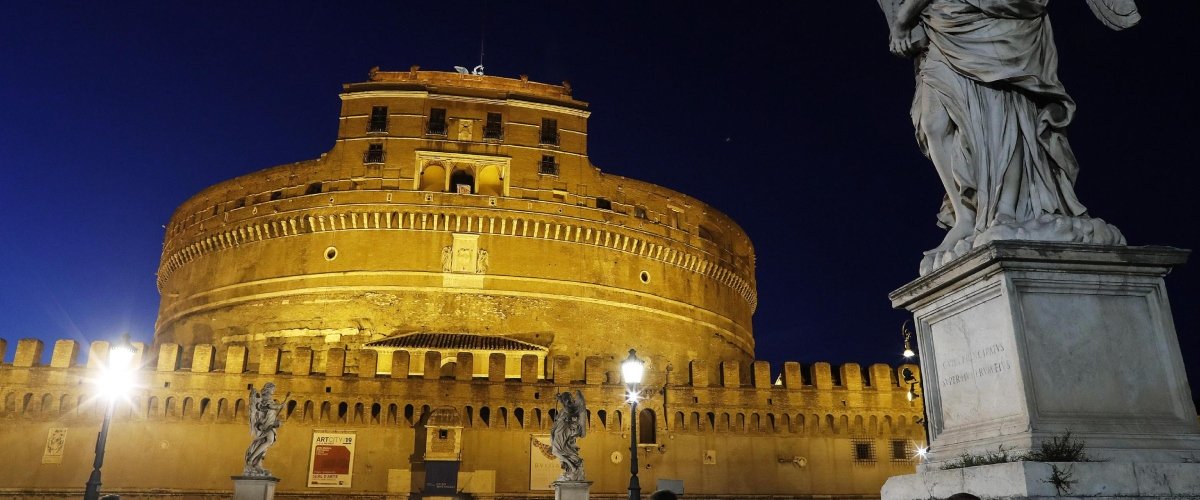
791,117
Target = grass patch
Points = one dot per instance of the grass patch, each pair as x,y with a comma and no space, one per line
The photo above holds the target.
1060,448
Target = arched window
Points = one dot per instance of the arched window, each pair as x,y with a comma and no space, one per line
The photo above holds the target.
461,181
646,427
433,178
489,181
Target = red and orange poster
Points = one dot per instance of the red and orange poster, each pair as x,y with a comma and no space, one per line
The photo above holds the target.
332,460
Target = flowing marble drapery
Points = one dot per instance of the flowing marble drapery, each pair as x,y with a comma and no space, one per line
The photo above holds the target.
991,113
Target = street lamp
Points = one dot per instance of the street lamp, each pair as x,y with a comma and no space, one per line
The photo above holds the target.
115,382
632,370
913,382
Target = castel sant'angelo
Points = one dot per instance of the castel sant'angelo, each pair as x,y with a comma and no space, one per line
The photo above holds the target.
424,289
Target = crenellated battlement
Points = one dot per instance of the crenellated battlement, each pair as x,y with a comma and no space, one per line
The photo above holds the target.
812,399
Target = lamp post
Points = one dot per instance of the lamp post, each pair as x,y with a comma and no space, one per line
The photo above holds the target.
115,381
913,382
632,370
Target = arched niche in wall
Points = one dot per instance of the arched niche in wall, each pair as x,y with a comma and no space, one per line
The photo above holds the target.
488,181
433,178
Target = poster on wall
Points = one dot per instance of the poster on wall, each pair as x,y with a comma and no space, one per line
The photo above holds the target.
543,467
56,442
331,460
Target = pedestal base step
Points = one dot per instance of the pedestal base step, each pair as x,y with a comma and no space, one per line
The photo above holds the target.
1058,480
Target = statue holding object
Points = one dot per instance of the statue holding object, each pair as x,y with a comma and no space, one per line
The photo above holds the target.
569,424
264,425
991,114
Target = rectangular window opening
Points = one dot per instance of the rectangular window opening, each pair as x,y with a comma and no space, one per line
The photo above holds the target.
900,450
548,166
374,154
494,128
864,450
603,204
379,119
437,121
314,188
275,195
549,133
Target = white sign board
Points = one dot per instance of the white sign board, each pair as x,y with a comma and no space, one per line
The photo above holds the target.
331,460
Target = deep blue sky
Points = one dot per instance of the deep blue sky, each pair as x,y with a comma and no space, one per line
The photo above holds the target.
791,117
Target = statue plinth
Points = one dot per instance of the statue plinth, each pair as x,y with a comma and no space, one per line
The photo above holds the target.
1022,341
571,490
254,487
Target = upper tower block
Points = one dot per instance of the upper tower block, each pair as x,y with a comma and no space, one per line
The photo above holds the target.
539,126
456,211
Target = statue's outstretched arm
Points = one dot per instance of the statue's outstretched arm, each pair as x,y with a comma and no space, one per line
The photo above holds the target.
1116,14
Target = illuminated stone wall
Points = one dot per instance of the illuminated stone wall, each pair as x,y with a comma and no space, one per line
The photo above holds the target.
184,430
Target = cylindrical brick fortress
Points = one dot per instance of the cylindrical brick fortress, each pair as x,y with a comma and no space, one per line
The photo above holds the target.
462,206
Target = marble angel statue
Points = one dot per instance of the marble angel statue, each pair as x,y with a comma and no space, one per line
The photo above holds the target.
991,114
569,424
264,425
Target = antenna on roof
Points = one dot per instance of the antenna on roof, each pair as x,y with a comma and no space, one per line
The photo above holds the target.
482,37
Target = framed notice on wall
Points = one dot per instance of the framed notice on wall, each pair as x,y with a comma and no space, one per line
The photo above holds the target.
331,459
543,467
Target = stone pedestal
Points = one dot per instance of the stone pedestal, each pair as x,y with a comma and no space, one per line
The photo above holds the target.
1021,341
254,487
571,490
1090,480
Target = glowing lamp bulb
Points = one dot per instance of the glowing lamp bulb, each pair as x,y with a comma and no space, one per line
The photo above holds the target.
632,369
908,353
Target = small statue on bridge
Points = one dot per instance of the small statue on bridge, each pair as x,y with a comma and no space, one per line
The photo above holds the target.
569,424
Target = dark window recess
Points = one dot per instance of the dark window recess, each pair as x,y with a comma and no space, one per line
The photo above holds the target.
900,449
639,212
494,128
864,450
379,119
548,166
603,204
549,131
314,188
275,195
437,121
374,154
240,203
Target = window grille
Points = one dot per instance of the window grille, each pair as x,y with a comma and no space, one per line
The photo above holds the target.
863,451
549,133
379,119
437,122
494,128
374,154
548,166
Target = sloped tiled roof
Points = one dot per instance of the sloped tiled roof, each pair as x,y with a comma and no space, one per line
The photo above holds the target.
459,341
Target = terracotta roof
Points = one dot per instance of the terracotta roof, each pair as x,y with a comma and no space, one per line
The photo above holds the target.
459,341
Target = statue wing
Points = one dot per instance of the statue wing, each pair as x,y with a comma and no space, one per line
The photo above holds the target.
255,415
1116,14
583,413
